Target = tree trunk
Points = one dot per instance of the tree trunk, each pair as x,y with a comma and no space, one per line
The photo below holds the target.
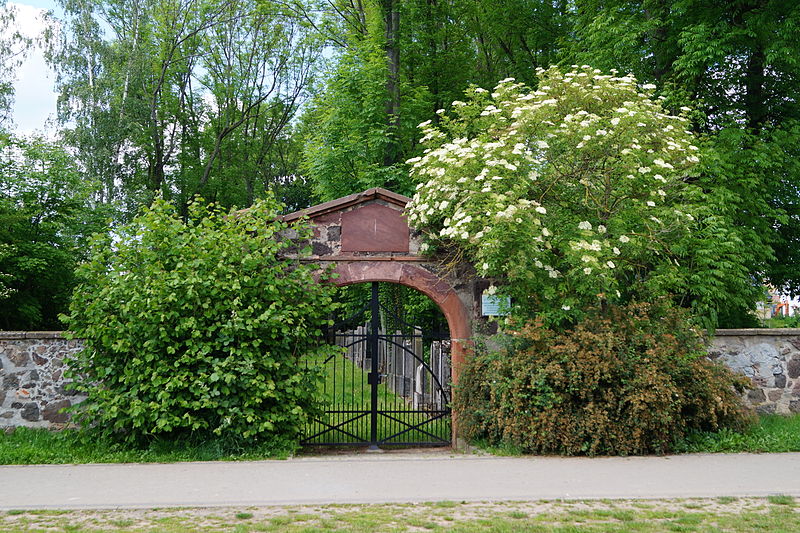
754,98
391,15
663,53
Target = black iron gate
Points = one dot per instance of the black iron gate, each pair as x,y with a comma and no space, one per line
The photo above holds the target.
386,388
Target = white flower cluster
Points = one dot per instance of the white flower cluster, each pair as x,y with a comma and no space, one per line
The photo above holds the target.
568,174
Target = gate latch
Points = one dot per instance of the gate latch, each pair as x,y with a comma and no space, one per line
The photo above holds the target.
374,378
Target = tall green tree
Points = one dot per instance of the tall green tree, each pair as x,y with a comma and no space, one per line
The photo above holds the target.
394,64
182,97
13,47
46,217
736,64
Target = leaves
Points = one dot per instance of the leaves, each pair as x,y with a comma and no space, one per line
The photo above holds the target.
628,380
183,97
187,325
579,192
46,217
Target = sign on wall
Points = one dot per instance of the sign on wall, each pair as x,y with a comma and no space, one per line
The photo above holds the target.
494,305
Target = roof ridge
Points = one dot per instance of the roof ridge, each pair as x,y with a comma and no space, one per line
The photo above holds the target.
347,201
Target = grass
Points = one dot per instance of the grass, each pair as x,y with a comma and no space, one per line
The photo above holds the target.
346,389
781,499
783,322
775,514
40,446
772,433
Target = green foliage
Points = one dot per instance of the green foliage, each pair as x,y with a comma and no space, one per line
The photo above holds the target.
777,160
772,434
41,446
411,307
198,327
46,217
348,133
735,64
581,191
13,48
630,380
362,122
783,322
182,97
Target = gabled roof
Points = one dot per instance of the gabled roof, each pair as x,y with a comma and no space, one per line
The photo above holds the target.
376,193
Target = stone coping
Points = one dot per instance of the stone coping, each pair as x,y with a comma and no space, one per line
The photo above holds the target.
21,335
757,331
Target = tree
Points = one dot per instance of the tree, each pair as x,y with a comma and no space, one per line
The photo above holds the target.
735,64
579,193
514,37
46,218
13,47
183,96
199,327
396,63
348,130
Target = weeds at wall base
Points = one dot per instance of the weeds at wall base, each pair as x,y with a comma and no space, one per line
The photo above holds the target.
772,433
41,446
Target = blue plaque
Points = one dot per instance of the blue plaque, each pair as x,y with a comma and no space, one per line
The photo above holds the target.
494,305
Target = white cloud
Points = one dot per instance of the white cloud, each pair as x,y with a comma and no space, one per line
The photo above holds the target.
35,99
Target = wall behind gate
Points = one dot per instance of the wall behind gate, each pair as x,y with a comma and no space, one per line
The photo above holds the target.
33,389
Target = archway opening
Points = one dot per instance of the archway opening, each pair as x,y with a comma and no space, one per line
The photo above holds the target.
390,383
410,307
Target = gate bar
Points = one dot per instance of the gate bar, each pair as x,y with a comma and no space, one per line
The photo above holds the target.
374,373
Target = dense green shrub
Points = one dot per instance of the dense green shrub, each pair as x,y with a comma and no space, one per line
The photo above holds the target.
198,327
626,380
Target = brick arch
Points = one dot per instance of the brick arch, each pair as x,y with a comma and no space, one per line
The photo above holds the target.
438,290
416,277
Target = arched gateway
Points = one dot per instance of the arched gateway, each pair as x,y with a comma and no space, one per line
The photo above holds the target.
366,238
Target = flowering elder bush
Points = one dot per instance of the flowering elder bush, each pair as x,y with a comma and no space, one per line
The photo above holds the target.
576,192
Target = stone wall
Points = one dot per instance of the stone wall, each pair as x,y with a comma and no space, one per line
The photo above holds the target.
33,389
771,358
32,384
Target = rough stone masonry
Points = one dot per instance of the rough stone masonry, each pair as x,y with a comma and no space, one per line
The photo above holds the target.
770,358
33,389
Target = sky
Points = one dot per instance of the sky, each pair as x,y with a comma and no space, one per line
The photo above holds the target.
35,99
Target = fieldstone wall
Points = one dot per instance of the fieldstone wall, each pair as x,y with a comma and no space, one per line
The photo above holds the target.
771,358
33,389
32,384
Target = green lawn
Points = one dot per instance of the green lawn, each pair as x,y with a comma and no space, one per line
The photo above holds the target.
40,446
777,514
28,446
346,389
